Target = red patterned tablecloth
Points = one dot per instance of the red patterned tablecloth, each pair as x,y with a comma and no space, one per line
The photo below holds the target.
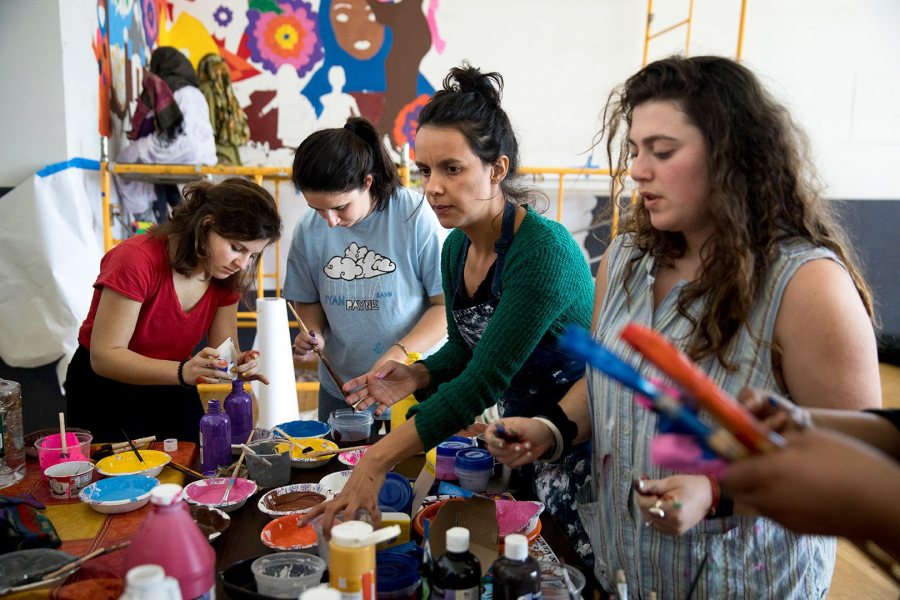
82,529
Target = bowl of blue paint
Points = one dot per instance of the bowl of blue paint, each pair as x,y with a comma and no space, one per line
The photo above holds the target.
115,495
305,429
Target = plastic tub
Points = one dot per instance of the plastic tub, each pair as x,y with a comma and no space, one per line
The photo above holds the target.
286,574
396,576
49,448
473,468
347,425
446,456
553,581
395,494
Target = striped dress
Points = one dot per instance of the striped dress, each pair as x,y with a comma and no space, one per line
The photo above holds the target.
744,557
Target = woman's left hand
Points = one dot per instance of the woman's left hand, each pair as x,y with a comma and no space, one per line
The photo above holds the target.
248,369
675,504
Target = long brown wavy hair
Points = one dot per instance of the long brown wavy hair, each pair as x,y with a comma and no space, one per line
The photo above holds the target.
236,209
763,190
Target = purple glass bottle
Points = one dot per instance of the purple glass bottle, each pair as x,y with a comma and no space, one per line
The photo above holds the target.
239,407
215,439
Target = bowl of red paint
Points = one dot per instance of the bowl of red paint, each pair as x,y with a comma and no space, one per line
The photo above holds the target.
284,534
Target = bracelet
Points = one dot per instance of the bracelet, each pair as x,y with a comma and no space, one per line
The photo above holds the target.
716,495
567,428
555,451
181,380
401,346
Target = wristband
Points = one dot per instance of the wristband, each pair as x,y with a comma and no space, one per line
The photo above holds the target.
723,506
555,452
181,380
402,347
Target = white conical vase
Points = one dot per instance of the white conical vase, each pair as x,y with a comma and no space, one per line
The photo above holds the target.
278,400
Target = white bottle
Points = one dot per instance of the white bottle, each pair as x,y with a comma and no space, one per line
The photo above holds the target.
149,582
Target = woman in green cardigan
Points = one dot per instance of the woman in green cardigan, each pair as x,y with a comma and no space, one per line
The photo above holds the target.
513,280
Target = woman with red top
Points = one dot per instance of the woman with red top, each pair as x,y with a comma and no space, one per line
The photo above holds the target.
157,296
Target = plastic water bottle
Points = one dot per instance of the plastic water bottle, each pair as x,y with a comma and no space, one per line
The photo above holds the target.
457,574
516,575
215,439
168,537
12,447
239,407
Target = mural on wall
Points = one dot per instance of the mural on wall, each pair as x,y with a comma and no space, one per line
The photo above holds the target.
295,65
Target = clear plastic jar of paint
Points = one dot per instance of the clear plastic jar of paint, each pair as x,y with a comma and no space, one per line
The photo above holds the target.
474,467
445,462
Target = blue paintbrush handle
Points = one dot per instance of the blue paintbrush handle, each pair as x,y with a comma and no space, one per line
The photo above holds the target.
578,343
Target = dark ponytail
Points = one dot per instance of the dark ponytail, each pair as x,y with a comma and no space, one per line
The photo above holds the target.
338,160
470,103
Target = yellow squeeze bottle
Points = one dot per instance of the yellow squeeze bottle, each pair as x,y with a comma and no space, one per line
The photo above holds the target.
351,558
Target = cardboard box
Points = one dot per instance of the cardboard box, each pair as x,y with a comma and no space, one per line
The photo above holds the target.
477,515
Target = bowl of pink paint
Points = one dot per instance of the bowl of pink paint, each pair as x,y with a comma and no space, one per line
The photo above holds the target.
50,448
211,492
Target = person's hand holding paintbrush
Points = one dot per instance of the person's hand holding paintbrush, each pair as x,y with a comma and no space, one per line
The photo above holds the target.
309,346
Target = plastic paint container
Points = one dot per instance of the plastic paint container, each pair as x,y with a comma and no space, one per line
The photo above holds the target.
446,457
286,574
474,467
397,576
395,494
347,425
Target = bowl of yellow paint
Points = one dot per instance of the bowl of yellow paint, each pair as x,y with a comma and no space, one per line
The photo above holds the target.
127,463
302,446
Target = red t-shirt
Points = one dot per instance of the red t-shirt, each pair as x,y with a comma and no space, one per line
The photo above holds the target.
139,269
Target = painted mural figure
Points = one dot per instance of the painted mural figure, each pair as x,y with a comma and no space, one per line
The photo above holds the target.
337,105
296,117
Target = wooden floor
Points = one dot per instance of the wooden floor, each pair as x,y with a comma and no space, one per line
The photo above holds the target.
854,575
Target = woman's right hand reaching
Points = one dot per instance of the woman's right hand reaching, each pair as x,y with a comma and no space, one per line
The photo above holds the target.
517,441
306,344
390,383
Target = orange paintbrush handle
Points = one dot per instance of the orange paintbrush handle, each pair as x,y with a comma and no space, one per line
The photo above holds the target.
671,361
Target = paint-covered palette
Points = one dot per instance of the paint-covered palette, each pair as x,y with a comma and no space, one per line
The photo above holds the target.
127,463
302,446
209,492
291,499
119,494
351,457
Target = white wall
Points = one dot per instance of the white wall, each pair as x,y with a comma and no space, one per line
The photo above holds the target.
80,77
32,102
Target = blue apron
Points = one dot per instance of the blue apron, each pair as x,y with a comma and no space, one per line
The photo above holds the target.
545,377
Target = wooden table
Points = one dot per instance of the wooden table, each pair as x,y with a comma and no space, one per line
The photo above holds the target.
241,540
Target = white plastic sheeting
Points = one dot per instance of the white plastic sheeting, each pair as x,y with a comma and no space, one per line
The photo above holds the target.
50,250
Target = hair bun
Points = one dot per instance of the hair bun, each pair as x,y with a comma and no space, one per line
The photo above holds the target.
470,79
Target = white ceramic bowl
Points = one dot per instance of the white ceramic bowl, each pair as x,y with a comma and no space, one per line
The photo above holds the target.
287,489
332,484
209,492
119,494
126,463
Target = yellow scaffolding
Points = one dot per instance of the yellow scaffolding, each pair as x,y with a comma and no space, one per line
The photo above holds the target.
687,23
186,173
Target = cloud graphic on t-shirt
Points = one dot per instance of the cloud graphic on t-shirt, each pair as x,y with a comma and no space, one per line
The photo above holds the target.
358,262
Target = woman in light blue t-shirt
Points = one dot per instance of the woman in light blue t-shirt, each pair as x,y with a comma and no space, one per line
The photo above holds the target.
364,267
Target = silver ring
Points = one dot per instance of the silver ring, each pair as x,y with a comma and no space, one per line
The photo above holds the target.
657,511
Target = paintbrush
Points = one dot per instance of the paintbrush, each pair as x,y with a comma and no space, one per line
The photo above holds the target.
319,453
185,470
749,431
131,444
236,467
328,366
104,450
252,452
55,572
579,343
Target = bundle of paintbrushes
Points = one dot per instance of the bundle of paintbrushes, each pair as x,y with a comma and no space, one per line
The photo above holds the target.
687,442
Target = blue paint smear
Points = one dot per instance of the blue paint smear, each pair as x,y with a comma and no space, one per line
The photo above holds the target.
125,487
305,428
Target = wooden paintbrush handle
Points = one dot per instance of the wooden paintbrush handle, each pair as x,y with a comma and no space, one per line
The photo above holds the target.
319,453
330,368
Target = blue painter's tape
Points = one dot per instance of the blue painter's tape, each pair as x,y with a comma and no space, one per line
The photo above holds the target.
79,163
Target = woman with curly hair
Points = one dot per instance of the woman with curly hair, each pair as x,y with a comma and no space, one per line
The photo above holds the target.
730,251
157,296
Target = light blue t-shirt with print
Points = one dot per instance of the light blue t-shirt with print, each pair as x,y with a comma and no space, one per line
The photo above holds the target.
373,279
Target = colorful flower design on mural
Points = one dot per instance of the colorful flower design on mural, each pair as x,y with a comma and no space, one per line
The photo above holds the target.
150,17
223,16
407,122
291,37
